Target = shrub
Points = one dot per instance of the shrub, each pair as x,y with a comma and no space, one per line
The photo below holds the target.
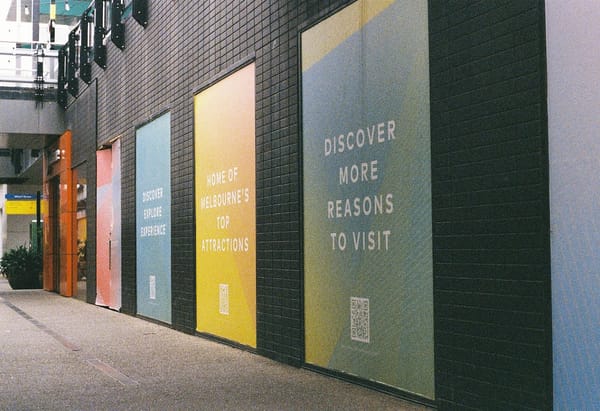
23,267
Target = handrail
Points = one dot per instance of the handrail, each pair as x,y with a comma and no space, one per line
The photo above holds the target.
27,52
21,80
19,64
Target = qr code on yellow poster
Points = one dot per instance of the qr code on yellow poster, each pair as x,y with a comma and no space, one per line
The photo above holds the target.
224,299
359,319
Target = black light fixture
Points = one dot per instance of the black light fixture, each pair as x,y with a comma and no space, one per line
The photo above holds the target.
62,76
85,66
140,11
99,33
117,28
73,64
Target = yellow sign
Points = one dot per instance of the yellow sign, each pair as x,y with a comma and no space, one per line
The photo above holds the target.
226,208
24,207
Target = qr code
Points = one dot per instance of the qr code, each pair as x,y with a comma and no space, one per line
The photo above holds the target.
359,319
224,299
152,291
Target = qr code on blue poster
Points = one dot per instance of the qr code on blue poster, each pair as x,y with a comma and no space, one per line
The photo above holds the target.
359,319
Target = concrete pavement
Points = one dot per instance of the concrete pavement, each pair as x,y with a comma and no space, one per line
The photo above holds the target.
60,353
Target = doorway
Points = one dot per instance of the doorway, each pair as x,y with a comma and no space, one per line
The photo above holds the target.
81,216
55,227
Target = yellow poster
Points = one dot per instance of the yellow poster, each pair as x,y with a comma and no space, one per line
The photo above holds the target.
226,208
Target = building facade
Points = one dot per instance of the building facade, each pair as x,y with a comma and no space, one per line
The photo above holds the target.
365,188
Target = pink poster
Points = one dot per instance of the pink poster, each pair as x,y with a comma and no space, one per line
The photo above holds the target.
108,227
115,229
103,223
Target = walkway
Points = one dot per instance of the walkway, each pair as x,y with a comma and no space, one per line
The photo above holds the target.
60,353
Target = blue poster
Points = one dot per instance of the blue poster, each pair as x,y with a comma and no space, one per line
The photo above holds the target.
153,219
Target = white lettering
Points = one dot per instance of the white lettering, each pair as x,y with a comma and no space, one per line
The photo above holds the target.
371,240
363,172
154,212
338,239
222,222
151,195
378,204
376,134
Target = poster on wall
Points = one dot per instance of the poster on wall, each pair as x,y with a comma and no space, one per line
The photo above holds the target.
108,227
226,208
153,218
574,171
115,228
367,194
104,210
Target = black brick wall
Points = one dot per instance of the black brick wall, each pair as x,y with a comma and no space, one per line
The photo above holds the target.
279,210
490,205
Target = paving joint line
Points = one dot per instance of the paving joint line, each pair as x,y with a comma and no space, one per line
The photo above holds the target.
94,362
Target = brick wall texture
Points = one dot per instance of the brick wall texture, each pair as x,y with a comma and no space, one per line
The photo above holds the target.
490,204
489,175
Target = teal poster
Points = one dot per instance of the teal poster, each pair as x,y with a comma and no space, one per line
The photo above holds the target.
367,194
153,219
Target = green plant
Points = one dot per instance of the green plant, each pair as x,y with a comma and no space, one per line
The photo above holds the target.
23,267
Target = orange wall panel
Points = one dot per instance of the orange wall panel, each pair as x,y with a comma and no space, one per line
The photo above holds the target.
66,215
